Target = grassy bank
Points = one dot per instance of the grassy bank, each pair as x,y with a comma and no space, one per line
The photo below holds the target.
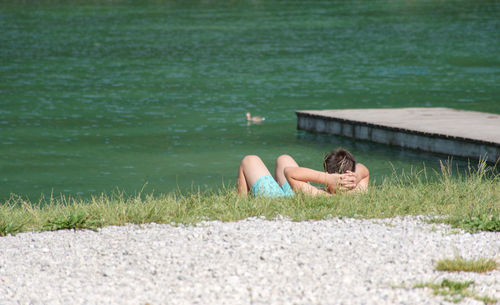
470,201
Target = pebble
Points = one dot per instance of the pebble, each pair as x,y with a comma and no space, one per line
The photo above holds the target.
253,261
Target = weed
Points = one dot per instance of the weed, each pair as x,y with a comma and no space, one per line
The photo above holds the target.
460,264
9,227
455,291
478,223
75,221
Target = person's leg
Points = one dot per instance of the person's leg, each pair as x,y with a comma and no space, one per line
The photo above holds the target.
282,162
251,169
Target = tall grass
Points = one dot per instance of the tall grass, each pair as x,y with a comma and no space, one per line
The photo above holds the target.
467,265
470,201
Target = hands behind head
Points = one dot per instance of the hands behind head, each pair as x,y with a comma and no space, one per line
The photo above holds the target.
347,181
332,182
344,182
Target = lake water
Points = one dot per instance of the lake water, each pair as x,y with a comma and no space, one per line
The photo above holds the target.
103,95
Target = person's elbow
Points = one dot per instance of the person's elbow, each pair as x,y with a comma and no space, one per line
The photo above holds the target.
291,175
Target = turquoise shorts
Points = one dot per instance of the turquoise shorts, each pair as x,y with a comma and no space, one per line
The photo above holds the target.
268,187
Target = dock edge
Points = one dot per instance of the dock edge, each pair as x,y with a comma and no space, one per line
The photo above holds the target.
430,142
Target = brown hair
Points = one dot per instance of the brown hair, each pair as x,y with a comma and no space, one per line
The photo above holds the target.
339,161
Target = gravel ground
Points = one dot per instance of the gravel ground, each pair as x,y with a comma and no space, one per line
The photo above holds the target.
254,261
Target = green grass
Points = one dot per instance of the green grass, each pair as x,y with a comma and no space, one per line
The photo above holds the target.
468,201
460,264
455,291
72,220
477,223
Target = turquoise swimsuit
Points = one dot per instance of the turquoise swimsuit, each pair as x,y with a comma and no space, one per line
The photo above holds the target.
268,187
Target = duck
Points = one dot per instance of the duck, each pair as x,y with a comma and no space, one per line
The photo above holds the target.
254,119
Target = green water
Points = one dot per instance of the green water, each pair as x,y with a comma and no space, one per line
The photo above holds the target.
99,95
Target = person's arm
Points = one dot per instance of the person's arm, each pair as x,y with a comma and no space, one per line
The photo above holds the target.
355,181
299,176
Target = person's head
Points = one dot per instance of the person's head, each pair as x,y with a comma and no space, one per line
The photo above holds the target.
339,161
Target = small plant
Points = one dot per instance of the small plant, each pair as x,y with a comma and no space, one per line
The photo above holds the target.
75,221
474,224
9,227
460,264
455,291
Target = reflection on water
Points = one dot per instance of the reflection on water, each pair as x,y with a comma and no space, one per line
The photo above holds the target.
154,95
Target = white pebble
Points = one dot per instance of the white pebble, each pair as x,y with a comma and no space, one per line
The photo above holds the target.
253,261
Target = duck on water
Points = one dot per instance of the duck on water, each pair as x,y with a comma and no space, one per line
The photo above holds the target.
254,119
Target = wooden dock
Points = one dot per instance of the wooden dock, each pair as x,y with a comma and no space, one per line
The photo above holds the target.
441,130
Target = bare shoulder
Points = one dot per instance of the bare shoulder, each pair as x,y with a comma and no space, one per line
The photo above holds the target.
362,170
363,176
360,166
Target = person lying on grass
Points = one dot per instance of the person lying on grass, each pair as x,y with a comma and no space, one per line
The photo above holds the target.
341,173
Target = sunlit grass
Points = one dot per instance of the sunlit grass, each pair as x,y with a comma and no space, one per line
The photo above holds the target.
455,291
469,201
460,264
